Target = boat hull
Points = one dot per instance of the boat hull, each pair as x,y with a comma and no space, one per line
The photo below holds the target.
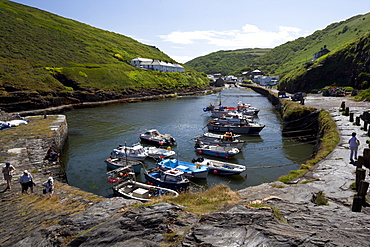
115,164
215,153
235,129
154,179
222,168
139,191
191,170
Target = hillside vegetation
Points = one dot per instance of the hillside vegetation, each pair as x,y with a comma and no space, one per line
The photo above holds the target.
227,62
345,65
43,53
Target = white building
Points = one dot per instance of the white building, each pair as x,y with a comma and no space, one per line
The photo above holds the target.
157,65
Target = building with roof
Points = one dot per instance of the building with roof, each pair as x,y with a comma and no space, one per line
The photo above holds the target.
157,65
320,53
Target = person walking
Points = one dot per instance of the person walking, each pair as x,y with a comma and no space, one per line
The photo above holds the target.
26,181
353,146
8,169
49,187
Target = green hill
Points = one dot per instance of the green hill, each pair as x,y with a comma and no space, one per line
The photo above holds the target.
43,53
292,60
226,62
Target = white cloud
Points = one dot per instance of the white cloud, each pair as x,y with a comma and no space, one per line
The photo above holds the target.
249,36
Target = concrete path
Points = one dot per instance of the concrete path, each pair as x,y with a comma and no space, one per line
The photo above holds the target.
335,173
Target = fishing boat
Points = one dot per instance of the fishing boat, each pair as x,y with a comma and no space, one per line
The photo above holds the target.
136,152
155,138
217,151
220,167
247,109
228,140
244,126
191,170
116,163
172,179
126,186
156,152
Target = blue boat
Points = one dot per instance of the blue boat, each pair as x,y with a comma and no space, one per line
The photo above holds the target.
115,163
190,169
172,179
217,151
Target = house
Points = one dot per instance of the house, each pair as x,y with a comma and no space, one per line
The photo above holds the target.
157,65
320,53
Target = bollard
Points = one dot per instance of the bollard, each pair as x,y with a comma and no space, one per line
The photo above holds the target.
360,175
347,111
366,155
358,121
343,106
365,125
351,117
360,161
362,191
357,204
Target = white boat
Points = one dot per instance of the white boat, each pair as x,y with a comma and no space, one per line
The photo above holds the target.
126,186
136,152
217,151
228,140
156,152
155,138
221,167
131,189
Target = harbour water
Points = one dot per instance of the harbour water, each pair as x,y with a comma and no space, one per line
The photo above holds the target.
94,132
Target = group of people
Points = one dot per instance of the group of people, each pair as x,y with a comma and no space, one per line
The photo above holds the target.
26,180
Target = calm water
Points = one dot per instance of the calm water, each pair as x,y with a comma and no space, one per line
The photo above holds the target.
94,132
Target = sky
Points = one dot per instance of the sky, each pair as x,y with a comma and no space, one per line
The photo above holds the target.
186,29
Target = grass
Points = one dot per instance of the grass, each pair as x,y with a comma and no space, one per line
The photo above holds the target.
204,201
37,128
85,56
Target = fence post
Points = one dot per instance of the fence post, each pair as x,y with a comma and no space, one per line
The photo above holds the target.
350,116
360,175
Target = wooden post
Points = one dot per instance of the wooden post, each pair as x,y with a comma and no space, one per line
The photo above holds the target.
360,175
366,154
360,161
362,191
343,106
351,117
365,125
358,121
357,204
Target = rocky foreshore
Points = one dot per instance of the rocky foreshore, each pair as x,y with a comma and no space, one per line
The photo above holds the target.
287,216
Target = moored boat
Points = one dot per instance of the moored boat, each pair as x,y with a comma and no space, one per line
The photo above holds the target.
221,167
243,127
217,151
156,152
116,163
131,189
124,185
228,140
173,179
136,152
191,170
154,137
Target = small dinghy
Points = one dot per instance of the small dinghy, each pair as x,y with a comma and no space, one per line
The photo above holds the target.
220,167
191,170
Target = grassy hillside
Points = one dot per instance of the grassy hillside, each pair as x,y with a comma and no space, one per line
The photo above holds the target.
287,57
226,62
38,47
292,60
